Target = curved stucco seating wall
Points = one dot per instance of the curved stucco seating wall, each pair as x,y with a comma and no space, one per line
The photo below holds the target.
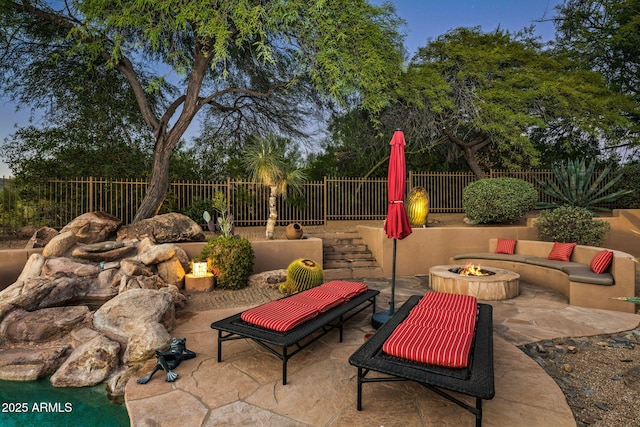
580,294
269,255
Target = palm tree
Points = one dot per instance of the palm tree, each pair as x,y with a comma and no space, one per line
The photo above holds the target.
266,163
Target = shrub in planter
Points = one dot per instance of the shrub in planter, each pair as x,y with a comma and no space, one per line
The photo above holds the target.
571,224
497,200
232,257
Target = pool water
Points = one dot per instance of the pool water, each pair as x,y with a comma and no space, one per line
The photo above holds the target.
38,403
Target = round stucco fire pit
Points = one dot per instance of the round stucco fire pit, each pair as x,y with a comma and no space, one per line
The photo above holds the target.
498,284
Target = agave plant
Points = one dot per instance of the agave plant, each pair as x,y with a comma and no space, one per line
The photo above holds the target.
575,186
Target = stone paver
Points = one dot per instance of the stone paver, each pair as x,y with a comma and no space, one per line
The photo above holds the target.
246,387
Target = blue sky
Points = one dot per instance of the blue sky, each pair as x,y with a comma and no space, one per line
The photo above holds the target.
425,19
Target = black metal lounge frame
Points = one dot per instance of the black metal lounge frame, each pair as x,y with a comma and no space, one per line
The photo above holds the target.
477,380
234,328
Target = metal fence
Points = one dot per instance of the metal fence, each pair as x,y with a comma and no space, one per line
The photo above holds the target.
57,202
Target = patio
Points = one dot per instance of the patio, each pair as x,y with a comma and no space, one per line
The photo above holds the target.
246,388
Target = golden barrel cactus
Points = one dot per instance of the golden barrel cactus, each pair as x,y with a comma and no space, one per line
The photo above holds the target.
302,274
417,206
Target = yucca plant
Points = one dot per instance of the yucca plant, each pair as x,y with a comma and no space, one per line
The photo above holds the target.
575,187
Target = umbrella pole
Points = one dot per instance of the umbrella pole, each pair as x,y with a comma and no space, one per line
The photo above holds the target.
393,279
382,316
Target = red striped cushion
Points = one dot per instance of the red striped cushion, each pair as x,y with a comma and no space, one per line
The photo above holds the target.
279,315
348,290
561,251
601,261
445,301
506,246
429,345
442,319
317,298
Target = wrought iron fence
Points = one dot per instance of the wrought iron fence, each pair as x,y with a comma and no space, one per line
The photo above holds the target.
56,202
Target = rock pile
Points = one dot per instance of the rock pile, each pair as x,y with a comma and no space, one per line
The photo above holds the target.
98,301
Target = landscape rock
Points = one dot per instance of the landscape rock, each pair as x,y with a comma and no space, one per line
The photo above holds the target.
139,317
36,293
59,245
32,268
93,227
157,254
172,272
128,283
104,256
61,266
41,325
30,363
89,364
165,228
41,237
268,279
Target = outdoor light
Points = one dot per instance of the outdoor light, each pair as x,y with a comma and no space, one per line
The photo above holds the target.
199,269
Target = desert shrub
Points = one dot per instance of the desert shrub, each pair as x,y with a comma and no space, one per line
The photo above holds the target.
630,181
571,224
496,200
232,258
197,208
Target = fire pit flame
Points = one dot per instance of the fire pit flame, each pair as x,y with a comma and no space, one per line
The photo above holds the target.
472,270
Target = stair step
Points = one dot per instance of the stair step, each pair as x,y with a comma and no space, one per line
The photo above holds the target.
348,255
343,263
352,273
345,248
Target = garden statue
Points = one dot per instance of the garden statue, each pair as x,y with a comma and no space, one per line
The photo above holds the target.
169,360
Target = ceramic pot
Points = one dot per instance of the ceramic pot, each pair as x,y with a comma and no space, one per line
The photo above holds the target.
293,231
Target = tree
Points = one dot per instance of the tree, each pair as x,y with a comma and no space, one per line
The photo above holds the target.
605,36
486,93
267,164
235,59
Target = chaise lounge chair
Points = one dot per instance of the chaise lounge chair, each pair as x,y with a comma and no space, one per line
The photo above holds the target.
476,379
298,320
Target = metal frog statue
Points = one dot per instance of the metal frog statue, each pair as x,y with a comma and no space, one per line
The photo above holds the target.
169,360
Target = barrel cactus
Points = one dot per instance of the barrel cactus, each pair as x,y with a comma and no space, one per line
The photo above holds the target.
302,274
418,206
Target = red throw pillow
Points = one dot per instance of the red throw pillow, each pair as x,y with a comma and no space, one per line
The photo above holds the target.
506,246
561,251
601,261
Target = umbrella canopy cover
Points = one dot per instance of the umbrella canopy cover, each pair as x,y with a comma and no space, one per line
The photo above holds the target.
397,224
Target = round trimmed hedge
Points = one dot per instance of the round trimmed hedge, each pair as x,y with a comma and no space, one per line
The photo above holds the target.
498,200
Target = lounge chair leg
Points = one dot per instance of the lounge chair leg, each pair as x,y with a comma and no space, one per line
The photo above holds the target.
219,346
479,412
359,399
284,366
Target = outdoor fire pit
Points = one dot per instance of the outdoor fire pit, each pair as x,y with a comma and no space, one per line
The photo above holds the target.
484,283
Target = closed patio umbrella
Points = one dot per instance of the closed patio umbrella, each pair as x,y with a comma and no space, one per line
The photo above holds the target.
397,225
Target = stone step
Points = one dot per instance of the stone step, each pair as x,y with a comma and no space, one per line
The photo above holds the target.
348,255
347,263
346,248
352,273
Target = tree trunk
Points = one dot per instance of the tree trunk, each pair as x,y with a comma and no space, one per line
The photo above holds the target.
159,181
273,214
469,150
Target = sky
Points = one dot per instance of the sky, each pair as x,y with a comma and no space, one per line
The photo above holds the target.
425,20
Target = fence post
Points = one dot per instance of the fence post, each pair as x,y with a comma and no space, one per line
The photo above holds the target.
324,201
90,201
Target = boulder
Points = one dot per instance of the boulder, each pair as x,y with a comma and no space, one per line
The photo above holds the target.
41,237
157,254
41,325
93,227
32,268
170,227
59,245
36,293
128,283
30,363
139,317
62,266
171,272
104,256
89,364
132,267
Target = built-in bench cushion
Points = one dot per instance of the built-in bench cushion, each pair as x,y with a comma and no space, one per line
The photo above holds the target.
549,263
583,274
492,256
